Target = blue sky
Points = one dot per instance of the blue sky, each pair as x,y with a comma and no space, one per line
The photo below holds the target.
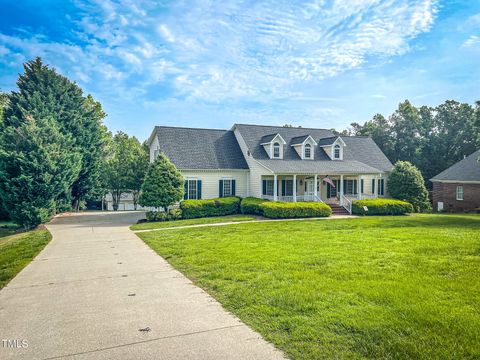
317,63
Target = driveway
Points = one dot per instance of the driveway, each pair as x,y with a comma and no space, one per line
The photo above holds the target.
98,292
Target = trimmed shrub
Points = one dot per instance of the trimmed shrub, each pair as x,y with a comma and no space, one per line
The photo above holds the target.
251,205
287,210
174,214
156,216
381,207
206,208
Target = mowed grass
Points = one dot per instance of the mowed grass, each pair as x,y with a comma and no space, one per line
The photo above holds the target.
18,249
176,223
379,287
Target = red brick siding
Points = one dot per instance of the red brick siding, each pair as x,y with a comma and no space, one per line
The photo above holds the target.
447,193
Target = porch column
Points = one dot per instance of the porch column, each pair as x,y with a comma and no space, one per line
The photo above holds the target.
275,187
359,188
295,188
341,190
315,192
376,186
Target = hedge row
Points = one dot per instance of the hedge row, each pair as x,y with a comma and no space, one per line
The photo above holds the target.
381,207
206,208
288,210
252,206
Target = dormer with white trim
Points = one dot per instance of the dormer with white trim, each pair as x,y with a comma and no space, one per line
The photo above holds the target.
333,147
274,145
304,146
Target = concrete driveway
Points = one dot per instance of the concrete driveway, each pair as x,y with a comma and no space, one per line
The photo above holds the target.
98,292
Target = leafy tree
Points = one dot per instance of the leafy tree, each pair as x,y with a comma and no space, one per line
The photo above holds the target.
405,182
163,185
140,166
35,169
120,166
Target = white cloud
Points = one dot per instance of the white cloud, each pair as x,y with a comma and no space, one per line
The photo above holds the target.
227,50
472,41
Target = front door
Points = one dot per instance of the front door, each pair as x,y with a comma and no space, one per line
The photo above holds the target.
309,187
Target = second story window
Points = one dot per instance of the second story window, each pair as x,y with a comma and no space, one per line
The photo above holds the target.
336,152
308,151
276,150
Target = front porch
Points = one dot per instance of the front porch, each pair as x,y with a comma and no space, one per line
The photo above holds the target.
339,189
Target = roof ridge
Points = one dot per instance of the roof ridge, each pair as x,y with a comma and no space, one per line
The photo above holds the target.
283,127
188,127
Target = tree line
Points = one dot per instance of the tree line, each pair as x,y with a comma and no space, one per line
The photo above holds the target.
431,138
55,151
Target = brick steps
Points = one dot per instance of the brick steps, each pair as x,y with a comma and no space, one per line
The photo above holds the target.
338,210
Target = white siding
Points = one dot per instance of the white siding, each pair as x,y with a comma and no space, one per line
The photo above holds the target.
210,180
153,147
256,170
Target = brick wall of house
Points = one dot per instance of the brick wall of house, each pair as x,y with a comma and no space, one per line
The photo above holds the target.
446,193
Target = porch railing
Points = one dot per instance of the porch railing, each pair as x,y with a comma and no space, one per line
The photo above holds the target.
347,204
290,198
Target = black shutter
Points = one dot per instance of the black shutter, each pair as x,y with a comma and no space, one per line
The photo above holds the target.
199,189
373,186
344,187
361,186
233,187
284,187
220,188
355,186
264,187
185,189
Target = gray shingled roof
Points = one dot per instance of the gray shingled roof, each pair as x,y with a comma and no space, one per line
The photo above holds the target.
327,141
329,167
361,153
467,169
190,148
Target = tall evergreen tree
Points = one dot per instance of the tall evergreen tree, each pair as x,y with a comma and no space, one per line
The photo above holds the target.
91,141
45,93
35,169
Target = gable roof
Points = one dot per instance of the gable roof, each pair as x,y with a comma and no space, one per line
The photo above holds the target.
361,154
299,140
193,148
267,139
467,169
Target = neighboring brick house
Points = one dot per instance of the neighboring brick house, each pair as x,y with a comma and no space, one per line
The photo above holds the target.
457,189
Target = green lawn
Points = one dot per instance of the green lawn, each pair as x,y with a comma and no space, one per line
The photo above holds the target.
378,287
17,250
210,220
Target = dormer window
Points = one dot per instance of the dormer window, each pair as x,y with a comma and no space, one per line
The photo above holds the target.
273,145
336,152
308,151
276,150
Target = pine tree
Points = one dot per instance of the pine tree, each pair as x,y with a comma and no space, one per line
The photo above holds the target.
163,185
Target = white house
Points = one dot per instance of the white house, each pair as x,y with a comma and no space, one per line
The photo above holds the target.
275,163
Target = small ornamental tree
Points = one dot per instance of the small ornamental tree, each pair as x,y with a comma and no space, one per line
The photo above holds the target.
405,182
163,185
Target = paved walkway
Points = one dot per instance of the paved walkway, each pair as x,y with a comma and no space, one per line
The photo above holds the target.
98,292
332,217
